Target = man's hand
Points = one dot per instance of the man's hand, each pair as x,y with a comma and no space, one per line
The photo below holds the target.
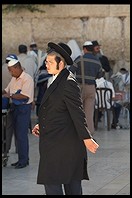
91,145
35,130
6,95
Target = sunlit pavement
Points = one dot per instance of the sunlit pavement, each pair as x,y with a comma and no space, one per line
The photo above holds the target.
109,168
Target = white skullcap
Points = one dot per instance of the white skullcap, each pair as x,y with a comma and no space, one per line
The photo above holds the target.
32,43
12,62
87,43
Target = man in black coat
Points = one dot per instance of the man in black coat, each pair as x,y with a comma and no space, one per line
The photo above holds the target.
62,129
103,59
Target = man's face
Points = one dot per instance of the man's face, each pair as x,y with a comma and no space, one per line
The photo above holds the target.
97,49
13,71
51,65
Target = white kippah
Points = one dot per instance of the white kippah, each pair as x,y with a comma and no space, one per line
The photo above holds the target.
87,43
12,62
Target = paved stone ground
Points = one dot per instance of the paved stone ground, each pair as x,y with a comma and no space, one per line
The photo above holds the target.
109,168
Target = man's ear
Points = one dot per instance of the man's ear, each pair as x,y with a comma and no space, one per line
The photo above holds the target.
61,64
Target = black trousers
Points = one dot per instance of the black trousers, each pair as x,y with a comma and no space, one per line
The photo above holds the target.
73,188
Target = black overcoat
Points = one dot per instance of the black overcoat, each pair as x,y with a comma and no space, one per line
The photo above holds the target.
63,127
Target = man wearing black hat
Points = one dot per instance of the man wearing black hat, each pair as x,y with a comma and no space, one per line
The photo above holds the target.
62,128
103,59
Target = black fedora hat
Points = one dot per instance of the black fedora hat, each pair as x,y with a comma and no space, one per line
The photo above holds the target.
95,43
63,49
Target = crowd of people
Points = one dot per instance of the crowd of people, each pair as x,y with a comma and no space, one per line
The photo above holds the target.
61,83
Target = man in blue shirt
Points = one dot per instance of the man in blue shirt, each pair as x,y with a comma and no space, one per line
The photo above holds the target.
92,69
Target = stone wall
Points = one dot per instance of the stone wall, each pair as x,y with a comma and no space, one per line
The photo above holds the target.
109,24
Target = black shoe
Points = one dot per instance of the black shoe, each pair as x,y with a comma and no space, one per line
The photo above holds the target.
14,164
18,166
113,126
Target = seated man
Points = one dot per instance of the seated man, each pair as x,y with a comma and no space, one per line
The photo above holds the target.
121,83
102,82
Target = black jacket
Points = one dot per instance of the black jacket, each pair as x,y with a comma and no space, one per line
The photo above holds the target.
105,63
63,127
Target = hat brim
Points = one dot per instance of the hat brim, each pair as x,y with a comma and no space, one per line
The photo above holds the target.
96,44
12,62
62,52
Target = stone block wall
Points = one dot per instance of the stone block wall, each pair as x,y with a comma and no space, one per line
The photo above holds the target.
109,24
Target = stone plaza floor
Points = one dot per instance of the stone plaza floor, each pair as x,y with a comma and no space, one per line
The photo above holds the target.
109,168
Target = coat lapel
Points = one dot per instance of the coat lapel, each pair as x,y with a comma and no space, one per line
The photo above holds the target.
53,86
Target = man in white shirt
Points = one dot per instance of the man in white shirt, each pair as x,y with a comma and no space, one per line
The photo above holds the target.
37,54
102,82
20,90
27,61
